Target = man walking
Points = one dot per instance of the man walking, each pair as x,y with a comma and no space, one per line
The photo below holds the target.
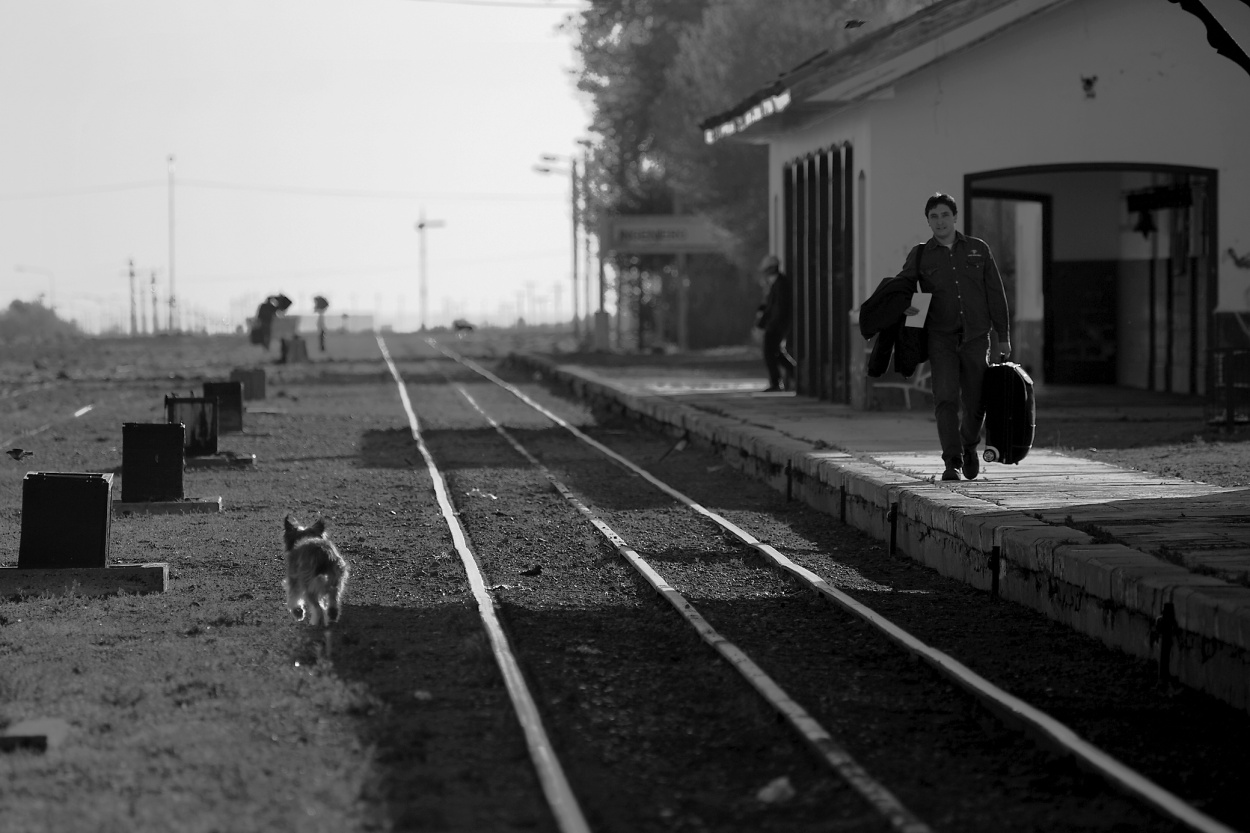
968,301
774,320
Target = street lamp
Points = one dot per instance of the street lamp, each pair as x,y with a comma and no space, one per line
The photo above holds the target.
572,172
422,225
39,270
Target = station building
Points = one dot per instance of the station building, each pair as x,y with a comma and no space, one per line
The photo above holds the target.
1101,148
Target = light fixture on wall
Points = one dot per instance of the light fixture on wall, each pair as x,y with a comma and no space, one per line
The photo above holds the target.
1145,224
1145,201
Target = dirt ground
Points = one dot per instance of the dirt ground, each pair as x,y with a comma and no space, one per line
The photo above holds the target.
207,704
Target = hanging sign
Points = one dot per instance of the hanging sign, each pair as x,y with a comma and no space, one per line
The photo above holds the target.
660,234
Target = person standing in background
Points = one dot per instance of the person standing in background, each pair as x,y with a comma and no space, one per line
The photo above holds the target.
773,317
320,305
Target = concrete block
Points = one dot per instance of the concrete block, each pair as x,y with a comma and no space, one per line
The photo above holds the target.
186,506
1034,548
1207,606
38,734
89,581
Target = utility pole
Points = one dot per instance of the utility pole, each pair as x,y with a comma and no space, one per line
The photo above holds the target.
173,304
422,225
547,168
155,326
134,310
573,194
586,260
683,293
585,220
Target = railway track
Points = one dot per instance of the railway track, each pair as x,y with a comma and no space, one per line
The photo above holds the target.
898,728
637,708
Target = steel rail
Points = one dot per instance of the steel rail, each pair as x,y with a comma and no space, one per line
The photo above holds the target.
564,807
1013,711
817,737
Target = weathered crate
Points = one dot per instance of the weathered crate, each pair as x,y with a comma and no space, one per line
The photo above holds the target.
152,461
253,379
198,415
229,404
66,520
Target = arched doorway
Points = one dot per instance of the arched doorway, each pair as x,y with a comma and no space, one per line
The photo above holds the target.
1127,277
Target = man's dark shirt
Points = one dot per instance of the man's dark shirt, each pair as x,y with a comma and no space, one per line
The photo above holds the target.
967,289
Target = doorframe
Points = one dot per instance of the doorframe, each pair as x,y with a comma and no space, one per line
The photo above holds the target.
1210,218
1047,202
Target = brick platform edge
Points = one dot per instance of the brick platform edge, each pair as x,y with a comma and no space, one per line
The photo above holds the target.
1128,599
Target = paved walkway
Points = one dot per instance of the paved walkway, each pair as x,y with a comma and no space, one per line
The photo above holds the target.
1157,566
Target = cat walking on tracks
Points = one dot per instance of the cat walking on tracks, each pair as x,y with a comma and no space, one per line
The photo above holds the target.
316,573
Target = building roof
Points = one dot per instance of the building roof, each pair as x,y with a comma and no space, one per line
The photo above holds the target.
831,80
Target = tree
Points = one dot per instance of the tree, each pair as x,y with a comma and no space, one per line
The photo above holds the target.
653,69
626,47
26,322
737,48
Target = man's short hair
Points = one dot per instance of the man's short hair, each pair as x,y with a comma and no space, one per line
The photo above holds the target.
940,199
770,264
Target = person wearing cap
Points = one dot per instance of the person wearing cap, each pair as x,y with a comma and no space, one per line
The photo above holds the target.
773,317
968,301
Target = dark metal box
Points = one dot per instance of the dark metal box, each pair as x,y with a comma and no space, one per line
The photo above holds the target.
198,415
253,380
152,461
229,404
65,520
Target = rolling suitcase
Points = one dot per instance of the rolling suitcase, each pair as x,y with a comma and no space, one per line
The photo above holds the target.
1010,413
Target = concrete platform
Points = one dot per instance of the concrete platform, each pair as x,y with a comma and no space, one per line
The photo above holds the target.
90,581
186,506
1138,561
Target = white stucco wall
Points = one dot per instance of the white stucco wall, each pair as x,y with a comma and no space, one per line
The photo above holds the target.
1163,96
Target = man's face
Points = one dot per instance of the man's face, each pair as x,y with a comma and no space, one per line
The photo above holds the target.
942,222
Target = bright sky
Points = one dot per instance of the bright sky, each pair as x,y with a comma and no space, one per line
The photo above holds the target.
308,137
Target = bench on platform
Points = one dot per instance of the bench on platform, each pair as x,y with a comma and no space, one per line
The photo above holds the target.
919,382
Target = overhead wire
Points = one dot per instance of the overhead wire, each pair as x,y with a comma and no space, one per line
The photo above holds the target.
502,4
339,271
84,190
354,192
295,190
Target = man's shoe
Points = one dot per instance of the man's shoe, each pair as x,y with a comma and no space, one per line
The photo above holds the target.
950,474
771,389
972,462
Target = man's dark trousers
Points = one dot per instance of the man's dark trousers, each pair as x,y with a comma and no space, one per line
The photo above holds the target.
776,359
958,371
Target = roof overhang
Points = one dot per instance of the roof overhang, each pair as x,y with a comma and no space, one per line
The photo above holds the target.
869,67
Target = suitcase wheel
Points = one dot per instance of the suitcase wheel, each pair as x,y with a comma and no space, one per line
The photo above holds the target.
990,455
